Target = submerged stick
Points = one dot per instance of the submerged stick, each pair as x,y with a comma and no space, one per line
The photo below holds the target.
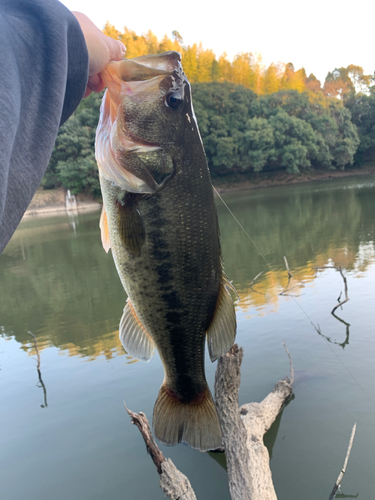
343,470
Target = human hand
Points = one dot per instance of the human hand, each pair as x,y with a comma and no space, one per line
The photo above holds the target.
101,49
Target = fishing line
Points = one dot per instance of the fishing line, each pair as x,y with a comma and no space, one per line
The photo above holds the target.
299,305
241,226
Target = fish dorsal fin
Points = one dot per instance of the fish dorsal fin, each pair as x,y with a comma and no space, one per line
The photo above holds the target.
103,224
133,335
222,331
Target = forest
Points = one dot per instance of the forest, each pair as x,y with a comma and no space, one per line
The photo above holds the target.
252,118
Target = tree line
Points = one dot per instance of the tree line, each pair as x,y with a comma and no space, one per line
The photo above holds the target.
248,124
247,69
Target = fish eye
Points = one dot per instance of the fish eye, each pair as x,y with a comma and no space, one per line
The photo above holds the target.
174,100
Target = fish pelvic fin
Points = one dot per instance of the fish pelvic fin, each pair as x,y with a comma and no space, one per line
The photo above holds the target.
222,331
104,232
195,423
134,337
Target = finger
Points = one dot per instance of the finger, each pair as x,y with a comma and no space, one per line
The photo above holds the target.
87,92
96,83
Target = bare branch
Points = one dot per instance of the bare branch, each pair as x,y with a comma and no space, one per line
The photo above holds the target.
140,420
174,484
227,384
343,470
291,364
247,458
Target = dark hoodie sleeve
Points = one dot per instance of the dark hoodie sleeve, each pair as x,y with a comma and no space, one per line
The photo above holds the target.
44,72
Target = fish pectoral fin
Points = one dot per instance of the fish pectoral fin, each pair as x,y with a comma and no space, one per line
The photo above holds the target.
152,165
103,224
130,225
134,337
222,331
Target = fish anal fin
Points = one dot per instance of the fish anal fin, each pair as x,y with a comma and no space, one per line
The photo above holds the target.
104,232
195,423
134,337
222,330
130,225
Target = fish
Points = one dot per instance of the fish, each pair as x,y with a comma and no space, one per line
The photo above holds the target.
159,220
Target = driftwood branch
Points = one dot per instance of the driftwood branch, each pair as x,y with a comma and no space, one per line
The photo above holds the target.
227,385
343,470
243,429
174,484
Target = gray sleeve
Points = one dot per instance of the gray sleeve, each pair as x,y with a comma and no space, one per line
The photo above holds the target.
44,72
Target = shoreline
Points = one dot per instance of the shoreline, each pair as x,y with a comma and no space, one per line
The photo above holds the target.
265,180
52,202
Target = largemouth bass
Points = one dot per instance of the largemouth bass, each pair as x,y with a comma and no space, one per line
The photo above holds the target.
159,219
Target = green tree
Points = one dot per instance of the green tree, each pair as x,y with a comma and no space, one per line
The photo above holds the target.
257,144
73,164
362,110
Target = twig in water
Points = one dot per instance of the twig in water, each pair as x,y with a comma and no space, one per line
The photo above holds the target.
339,269
343,470
39,372
37,352
290,276
287,268
253,281
291,364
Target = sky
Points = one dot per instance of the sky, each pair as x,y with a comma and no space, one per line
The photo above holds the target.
319,35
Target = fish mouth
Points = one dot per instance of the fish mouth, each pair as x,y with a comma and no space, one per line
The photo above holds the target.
142,80
146,67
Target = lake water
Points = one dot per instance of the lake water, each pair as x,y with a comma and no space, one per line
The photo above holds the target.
71,437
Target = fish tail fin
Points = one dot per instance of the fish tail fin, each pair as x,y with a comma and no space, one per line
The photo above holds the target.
195,423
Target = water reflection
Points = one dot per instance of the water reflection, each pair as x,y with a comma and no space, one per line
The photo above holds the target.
56,281
63,287
45,405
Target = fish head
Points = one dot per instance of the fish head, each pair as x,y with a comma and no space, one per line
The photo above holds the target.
144,113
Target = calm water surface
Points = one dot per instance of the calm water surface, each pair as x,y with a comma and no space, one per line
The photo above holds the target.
70,436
